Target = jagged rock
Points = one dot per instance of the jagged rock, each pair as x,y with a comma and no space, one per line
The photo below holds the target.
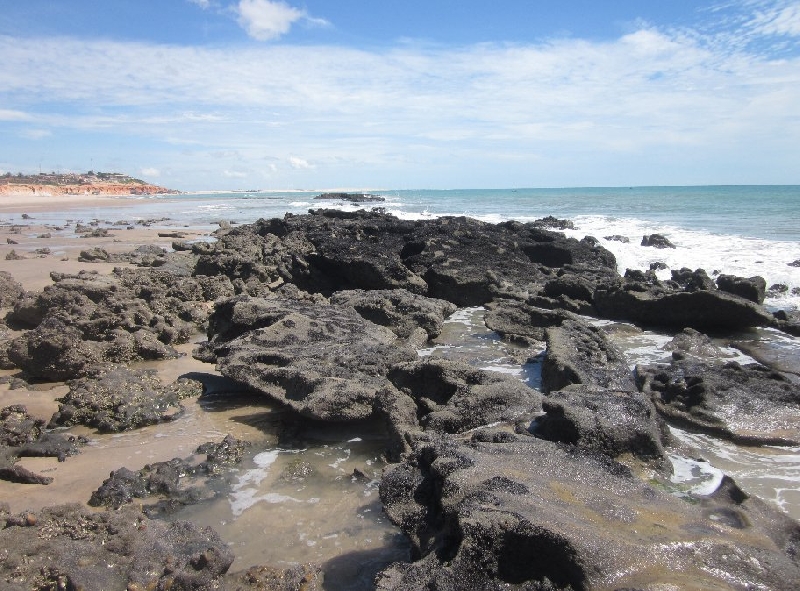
67,547
439,396
578,353
22,435
93,255
168,480
120,399
617,238
657,241
611,422
749,404
53,351
667,306
688,280
750,288
400,310
511,513
10,290
324,361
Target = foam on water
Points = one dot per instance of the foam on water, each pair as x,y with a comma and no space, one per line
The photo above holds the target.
723,253
772,473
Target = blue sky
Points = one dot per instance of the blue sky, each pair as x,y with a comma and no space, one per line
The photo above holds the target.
218,94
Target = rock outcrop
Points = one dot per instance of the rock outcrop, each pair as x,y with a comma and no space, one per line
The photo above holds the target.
524,513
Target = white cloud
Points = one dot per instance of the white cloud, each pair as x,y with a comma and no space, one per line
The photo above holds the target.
11,115
151,172
298,163
779,20
562,112
265,20
35,134
204,4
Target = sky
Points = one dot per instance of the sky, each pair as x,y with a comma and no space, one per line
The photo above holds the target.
259,94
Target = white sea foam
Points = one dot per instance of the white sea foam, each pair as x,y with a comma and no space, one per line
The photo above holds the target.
733,255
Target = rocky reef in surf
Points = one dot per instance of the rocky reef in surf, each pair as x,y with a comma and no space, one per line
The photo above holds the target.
495,484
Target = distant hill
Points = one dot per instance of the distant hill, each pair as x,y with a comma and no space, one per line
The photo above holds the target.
90,183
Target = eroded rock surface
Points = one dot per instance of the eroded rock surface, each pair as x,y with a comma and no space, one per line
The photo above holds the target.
440,396
578,353
67,547
324,361
403,312
119,399
748,404
499,513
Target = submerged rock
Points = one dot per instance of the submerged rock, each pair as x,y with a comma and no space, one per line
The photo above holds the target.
531,514
22,435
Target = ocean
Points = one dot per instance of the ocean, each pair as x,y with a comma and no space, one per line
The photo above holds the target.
739,230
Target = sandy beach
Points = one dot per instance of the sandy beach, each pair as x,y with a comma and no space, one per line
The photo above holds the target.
25,203
39,250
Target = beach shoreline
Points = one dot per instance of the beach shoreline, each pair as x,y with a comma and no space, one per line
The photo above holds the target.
28,202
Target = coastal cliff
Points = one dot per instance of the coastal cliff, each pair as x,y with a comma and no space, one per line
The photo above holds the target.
90,183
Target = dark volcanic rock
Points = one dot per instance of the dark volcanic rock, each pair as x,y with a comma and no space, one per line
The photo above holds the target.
119,399
439,396
749,404
618,238
67,547
400,310
657,241
10,290
324,361
668,306
22,435
176,482
611,422
578,353
460,260
519,321
750,288
532,514
53,351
